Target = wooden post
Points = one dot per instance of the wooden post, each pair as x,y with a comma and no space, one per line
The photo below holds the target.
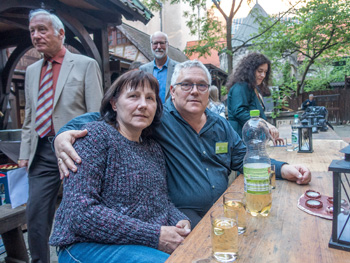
101,41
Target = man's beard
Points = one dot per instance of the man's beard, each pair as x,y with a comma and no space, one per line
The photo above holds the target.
159,55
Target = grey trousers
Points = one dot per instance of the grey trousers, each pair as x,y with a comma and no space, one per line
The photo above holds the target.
44,183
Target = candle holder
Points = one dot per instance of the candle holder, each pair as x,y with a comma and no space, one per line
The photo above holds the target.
340,207
305,137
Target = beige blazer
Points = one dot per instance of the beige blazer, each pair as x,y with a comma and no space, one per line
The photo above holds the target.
78,90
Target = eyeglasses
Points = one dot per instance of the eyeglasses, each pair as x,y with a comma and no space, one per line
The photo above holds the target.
162,43
186,86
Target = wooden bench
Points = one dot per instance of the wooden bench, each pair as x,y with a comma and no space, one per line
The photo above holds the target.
11,221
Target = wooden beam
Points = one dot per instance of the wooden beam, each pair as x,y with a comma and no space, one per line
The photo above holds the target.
80,31
7,73
12,38
113,19
30,4
12,22
101,40
104,6
87,19
126,11
72,41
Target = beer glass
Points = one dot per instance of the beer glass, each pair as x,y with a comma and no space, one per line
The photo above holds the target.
289,145
224,234
273,176
236,201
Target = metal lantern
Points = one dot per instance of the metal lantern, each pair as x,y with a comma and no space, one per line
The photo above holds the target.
305,137
340,238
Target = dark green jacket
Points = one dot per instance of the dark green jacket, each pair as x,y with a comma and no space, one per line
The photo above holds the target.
241,99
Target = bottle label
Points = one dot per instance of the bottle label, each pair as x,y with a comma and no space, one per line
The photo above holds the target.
257,180
294,138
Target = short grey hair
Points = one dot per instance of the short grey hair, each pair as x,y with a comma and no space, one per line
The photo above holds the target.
55,21
159,32
186,65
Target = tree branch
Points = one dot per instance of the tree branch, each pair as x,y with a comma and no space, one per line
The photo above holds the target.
219,8
265,30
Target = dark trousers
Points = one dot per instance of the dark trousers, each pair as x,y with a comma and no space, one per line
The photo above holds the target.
44,183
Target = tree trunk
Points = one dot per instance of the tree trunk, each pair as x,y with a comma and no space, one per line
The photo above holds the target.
300,88
229,44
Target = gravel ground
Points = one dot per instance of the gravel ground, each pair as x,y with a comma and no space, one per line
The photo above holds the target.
343,131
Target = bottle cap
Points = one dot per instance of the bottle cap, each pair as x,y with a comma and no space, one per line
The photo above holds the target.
254,113
296,115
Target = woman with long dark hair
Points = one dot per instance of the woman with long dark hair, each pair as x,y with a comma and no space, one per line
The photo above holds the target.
246,88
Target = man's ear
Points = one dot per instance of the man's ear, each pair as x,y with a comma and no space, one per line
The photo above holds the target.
172,91
61,33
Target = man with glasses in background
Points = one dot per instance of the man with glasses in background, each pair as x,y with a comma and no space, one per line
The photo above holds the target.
200,147
162,67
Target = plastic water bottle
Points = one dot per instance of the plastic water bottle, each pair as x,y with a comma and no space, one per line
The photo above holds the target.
295,125
256,166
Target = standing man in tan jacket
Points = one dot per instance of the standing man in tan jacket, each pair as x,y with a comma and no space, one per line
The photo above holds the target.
58,88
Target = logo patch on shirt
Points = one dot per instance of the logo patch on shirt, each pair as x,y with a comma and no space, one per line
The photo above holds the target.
221,147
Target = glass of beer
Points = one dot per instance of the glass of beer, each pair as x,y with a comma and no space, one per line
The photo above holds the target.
236,201
289,145
273,176
224,235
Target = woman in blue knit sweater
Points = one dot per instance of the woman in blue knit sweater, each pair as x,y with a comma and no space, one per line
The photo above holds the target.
116,208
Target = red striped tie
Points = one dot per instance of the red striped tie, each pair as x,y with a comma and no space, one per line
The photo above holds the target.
45,103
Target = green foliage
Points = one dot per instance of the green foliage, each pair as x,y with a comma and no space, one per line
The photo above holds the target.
317,31
286,86
325,72
223,90
212,35
278,96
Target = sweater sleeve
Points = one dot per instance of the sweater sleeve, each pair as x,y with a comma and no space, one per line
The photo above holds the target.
88,216
175,215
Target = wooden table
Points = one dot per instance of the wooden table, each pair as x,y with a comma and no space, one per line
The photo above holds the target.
287,234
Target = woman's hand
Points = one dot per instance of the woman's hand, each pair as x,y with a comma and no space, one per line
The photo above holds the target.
171,237
273,131
274,134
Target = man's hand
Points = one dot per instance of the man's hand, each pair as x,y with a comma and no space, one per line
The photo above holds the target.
171,237
23,163
65,152
185,224
298,173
